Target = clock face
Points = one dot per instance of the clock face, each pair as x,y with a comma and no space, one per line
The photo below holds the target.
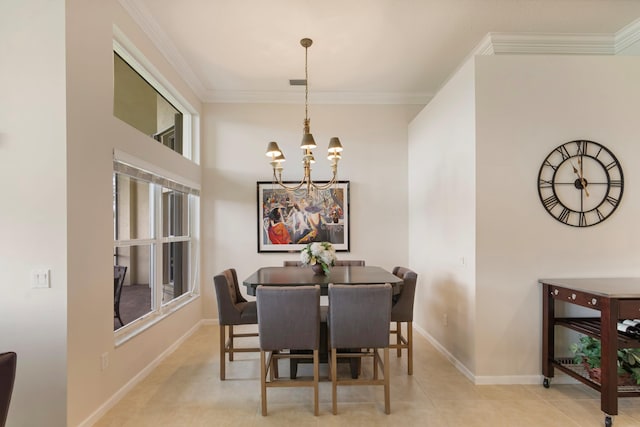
580,183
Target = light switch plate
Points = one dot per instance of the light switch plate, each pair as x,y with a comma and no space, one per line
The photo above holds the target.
41,278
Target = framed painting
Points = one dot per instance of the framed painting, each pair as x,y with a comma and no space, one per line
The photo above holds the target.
290,219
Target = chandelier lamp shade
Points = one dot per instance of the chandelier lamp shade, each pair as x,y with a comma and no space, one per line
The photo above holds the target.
307,145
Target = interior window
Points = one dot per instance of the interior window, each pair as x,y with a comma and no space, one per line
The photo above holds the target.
139,104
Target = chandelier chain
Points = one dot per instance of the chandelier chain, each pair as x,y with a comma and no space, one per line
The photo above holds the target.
306,86
308,143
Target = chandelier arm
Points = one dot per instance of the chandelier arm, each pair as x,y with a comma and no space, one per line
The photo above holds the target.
278,180
324,186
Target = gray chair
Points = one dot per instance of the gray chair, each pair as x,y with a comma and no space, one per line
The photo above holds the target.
292,263
119,272
402,312
233,309
288,318
356,262
359,318
7,377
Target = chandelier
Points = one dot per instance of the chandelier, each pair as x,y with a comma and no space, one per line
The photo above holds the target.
308,144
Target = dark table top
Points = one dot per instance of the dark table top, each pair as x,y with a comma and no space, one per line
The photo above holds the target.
300,276
614,287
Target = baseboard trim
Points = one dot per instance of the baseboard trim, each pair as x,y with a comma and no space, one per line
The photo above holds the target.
491,379
113,400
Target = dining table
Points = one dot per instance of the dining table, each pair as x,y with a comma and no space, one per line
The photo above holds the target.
304,276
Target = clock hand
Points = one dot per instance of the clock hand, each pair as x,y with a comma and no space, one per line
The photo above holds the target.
582,180
579,175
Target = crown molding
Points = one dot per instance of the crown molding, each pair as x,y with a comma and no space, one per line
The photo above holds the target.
560,44
491,44
547,43
150,27
627,36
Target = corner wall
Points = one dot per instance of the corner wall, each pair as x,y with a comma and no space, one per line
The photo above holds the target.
92,135
511,111
442,216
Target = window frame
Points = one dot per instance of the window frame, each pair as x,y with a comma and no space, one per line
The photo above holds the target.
190,121
159,310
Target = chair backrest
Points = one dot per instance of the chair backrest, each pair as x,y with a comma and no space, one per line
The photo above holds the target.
356,262
292,263
228,296
119,272
402,310
8,363
288,317
359,315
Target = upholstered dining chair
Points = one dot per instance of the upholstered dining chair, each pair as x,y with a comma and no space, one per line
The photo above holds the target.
402,312
119,271
359,318
288,318
233,309
7,377
292,263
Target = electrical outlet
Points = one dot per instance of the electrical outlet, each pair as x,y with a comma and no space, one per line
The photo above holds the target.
104,361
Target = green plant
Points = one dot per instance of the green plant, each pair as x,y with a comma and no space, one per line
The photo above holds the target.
588,351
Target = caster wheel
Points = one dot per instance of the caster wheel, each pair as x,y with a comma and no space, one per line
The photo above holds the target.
608,422
546,383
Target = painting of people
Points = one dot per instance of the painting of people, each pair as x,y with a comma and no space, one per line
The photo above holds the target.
289,219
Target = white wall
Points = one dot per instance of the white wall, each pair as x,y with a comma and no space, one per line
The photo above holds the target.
57,136
235,138
525,106
33,222
442,216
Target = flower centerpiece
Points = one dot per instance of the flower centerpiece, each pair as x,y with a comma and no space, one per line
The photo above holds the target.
319,253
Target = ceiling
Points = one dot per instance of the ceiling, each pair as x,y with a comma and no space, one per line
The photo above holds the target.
400,51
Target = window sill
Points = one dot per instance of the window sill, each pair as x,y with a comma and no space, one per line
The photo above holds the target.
135,328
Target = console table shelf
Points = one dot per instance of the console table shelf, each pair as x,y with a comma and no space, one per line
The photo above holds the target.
579,372
615,299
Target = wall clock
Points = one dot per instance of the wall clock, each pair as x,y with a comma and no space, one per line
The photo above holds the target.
580,183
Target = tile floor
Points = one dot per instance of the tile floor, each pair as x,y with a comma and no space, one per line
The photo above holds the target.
185,390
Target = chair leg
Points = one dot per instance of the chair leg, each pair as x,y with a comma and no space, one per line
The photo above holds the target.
222,352
316,376
410,348
334,379
263,383
276,371
399,338
375,363
230,343
387,393
273,366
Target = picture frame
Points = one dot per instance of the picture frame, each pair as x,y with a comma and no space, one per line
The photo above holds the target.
290,219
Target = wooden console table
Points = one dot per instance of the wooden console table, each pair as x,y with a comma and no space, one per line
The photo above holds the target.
616,298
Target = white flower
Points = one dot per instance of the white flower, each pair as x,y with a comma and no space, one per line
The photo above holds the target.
322,253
